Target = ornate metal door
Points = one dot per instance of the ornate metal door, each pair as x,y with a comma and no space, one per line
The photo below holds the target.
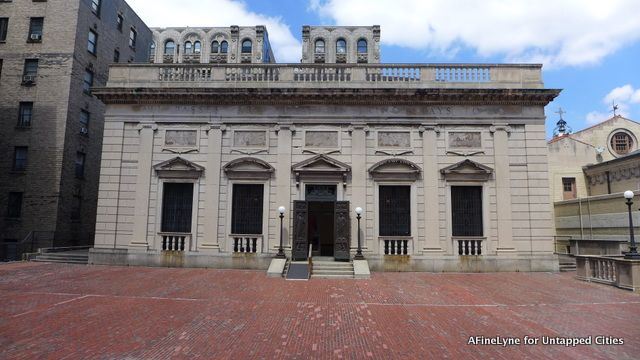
342,231
299,248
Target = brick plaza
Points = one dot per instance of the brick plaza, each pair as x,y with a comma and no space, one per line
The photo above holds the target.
95,312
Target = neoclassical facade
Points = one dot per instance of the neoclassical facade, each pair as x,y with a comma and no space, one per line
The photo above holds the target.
448,163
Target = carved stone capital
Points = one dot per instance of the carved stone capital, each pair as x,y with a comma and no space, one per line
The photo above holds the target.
289,127
500,127
147,125
429,127
358,126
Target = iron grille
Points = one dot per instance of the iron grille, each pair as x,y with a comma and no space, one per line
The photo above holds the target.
395,211
466,209
177,204
246,217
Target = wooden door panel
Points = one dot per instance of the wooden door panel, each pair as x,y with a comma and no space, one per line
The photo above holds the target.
341,249
299,246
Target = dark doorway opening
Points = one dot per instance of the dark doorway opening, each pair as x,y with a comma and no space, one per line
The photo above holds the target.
321,227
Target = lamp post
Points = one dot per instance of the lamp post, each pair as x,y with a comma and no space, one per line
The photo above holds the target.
281,254
359,255
633,251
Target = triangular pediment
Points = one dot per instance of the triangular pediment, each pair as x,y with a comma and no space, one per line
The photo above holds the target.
248,168
178,167
395,169
467,170
321,163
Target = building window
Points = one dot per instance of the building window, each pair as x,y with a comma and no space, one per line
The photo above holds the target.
197,47
119,22
80,159
95,7
85,117
4,25
92,44
215,47
35,29
87,81
177,200
20,158
116,56
341,46
188,48
133,36
224,47
14,208
362,46
169,47
466,211
319,48
25,114
246,46
621,143
30,71
568,188
395,210
246,217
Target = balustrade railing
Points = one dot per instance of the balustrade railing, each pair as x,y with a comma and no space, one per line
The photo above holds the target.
321,74
396,245
469,246
251,74
463,74
181,73
393,74
175,241
603,270
247,243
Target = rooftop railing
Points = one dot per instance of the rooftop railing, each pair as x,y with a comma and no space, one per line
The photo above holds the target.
524,76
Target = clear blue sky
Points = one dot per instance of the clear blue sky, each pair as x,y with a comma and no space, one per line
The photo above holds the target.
589,48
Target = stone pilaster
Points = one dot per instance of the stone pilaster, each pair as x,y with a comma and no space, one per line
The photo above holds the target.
503,187
283,183
359,184
430,177
212,188
143,184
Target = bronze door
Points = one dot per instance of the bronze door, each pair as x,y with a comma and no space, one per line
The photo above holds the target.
341,249
299,247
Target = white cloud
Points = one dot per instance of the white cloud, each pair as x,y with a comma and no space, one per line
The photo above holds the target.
556,32
625,97
211,13
596,117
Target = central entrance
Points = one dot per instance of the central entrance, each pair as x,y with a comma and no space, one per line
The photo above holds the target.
322,222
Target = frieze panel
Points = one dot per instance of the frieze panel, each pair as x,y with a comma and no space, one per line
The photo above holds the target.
465,140
245,138
181,138
321,139
394,139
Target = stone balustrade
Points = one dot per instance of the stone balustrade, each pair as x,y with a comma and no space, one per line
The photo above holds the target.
611,270
327,75
469,245
175,241
247,244
398,245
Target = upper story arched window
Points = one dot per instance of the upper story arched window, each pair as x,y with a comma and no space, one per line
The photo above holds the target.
341,46
246,46
215,46
169,47
362,46
224,47
319,48
197,47
188,48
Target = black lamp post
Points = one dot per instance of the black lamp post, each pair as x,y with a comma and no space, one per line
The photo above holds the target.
633,250
359,255
281,254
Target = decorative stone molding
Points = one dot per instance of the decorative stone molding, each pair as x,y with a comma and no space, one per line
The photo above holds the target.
152,126
467,170
469,153
178,168
394,153
248,168
500,127
353,127
429,127
321,166
279,127
395,169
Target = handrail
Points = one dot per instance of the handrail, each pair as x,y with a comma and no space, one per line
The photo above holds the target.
310,262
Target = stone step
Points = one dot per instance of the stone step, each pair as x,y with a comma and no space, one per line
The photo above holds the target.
331,276
323,266
332,271
64,256
63,261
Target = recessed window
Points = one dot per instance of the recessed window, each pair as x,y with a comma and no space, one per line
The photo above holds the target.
188,48
119,22
95,6
395,210
621,143
177,201
362,46
25,114
466,211
85,118
35,29
92,44
568,188
319,48
20,158
87,81
30,71
246,217
169,47
341,46
116,56
197,47
246,46
80,159
14,205
215,47
4,24
224,47
133,36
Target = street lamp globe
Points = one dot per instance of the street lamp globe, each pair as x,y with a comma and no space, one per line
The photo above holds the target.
359,210
628,194
281,210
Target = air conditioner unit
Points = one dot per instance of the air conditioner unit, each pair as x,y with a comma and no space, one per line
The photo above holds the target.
36,37
28,79
84,131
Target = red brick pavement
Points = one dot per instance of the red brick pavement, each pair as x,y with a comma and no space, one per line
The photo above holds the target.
94,312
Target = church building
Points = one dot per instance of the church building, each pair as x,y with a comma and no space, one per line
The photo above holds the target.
206,144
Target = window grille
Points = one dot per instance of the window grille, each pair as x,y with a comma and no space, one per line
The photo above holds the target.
177,204
466,210
246,215
395,210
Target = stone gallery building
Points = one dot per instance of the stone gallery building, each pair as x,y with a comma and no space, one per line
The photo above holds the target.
447,161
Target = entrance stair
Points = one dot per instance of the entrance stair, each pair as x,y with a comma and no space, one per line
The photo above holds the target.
567,262
330,269
68,257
